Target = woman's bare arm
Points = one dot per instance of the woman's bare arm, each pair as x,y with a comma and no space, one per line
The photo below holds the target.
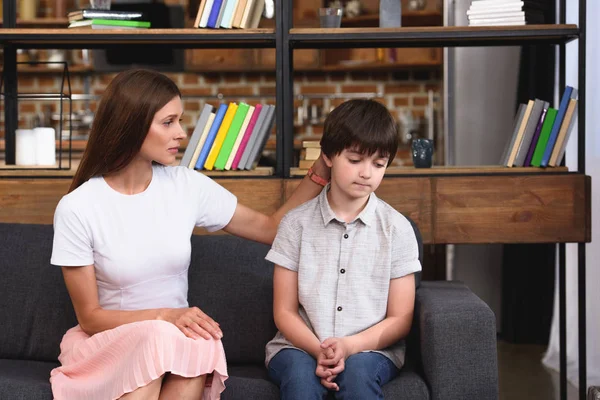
83,289
253,225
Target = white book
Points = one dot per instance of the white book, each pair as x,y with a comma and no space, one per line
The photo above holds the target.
498,10
239,138
206,13
498,21
494,3
194,160
195,138
518,14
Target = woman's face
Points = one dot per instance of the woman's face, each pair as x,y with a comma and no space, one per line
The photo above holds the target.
165,135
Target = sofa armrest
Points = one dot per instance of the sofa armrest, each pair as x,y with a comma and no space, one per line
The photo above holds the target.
455,332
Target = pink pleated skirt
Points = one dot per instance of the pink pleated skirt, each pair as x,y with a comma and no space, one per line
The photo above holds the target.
117,361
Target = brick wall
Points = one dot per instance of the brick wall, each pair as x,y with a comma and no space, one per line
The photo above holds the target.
399,90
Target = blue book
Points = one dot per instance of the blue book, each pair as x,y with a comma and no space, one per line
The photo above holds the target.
228,14
210,138
564,102
214,14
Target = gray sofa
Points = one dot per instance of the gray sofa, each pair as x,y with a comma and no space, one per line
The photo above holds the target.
451,349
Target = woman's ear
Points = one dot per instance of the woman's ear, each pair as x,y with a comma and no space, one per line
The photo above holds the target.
327,160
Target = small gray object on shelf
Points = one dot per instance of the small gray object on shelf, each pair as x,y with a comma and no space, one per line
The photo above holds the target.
390,13
422,153
593,393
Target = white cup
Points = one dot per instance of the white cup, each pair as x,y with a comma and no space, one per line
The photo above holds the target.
45,146
25,147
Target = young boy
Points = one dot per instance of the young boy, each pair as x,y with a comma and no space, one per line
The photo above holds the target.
344,270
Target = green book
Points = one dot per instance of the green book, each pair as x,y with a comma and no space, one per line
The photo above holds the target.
232,133
538,154
117,22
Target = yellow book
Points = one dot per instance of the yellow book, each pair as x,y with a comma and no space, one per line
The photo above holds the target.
216,147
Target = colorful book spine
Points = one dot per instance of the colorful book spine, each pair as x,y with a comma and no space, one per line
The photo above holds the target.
218,143
246,138
543,140
212,134
562,109
232,133
534,140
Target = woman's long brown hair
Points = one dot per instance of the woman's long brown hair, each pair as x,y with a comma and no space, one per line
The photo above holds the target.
122,121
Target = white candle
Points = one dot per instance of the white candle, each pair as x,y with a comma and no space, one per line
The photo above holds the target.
25,147
45,146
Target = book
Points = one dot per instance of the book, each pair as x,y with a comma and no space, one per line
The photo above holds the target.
544,135
232,134
214,14
221,134
206,13
256,14
238,14
236,161
196,134
228,14
532,123
261,140
513,151
196,155
245,23
212,134
109,24
90,13
563,136
515,131
220,17
240,136
536,136
253,136
199,14
569,93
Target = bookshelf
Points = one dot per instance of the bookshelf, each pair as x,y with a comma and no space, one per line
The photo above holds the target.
461,205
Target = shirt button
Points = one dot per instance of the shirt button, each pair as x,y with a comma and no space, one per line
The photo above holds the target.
345,236
343,271
339,308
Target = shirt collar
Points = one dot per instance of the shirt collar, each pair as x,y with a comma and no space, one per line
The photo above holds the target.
366,215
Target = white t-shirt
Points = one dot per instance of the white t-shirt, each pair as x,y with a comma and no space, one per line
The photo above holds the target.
139,244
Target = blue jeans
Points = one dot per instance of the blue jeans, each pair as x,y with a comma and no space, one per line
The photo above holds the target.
362,379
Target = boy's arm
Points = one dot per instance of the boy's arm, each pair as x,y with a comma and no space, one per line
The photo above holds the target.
396,324
253,225
285,312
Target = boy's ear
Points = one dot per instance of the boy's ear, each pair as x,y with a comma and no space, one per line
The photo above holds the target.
327,160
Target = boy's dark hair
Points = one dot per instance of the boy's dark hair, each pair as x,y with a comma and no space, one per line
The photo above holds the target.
363,125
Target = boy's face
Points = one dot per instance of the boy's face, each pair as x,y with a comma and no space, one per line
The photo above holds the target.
355,174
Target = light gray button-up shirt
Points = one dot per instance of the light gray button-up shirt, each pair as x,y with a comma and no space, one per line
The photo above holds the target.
344,269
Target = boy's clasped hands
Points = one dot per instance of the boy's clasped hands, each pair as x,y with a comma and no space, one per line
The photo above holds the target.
331,361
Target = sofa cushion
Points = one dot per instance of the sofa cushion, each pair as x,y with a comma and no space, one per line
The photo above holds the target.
231,281
35,308
22,379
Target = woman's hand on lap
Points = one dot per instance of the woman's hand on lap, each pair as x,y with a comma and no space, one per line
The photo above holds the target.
193,322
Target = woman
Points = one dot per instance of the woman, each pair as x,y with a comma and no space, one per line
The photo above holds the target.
122,238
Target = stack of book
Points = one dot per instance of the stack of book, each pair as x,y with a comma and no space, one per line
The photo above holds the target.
540,132
506,12
311,150
230,138
229,14
107,19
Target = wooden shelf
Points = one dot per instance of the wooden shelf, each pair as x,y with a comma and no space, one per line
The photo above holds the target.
41,23
104,38
43,69
44,171
377,66
458,170
413,18
433,36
